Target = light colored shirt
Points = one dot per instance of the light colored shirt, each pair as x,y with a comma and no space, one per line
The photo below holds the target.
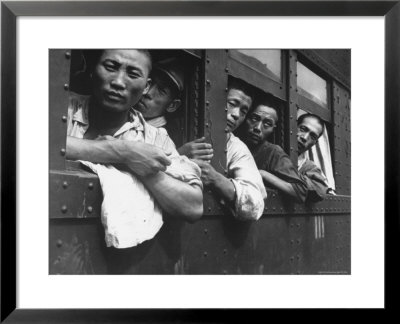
250,190
129,213
160,121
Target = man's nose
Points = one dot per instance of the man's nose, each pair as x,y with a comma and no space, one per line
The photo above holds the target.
257,128
119,81
235,113
303,137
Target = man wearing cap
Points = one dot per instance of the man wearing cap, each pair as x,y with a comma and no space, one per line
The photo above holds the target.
164,95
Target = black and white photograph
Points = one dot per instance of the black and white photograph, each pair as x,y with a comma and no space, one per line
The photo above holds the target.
199,161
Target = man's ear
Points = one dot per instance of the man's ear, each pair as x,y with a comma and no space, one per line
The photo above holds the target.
148,85
174,105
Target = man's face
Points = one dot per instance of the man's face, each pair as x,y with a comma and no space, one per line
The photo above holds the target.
308,133
260,124
119,79
156,101
238,104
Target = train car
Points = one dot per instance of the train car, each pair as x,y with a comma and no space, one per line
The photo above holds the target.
289,238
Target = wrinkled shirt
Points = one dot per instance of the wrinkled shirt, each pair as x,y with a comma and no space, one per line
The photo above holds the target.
243,171
316,180
130,214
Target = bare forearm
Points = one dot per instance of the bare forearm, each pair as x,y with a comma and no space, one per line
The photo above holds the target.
95,151
224,187
277,183
176,197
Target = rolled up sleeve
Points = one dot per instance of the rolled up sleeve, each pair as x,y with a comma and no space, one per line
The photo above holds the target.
250,191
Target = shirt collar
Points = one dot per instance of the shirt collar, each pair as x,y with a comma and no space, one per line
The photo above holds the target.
135,118
159,121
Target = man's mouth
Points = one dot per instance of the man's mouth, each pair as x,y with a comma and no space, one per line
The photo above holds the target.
114,96
230,125
255,137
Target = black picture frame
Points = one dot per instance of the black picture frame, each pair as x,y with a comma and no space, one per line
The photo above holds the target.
10,10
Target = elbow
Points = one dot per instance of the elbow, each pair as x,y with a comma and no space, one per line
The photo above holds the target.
195,214
192,211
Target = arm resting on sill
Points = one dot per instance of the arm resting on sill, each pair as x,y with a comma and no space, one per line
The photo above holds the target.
277,183
176,197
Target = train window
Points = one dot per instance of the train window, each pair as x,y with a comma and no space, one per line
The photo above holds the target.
312,86
267,62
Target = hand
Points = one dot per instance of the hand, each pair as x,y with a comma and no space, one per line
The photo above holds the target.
197,149
208,174
145,159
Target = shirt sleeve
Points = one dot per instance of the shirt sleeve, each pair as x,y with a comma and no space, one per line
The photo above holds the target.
283,168
316,181
250,191
181,167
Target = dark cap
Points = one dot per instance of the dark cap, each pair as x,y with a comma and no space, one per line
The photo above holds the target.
173,69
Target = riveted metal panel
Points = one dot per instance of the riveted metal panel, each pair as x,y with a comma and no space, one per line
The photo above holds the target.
216,83
291,122
77,194
74,194
214,245
59,70
342,139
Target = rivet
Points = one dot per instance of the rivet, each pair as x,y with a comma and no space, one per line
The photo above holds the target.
62,151
226,89
224,272
205,254
90,209
206,124
90,185
226,109
226,171
226,70
65,184
226,151
226,130
205,230
209,209
298,225
208,82
64,209
207,103
208,60
67,55
66,87
291,241
225,251
59,243
64,119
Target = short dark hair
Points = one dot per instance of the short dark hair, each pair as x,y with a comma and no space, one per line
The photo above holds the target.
265,100
309,115
234,83
92,57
